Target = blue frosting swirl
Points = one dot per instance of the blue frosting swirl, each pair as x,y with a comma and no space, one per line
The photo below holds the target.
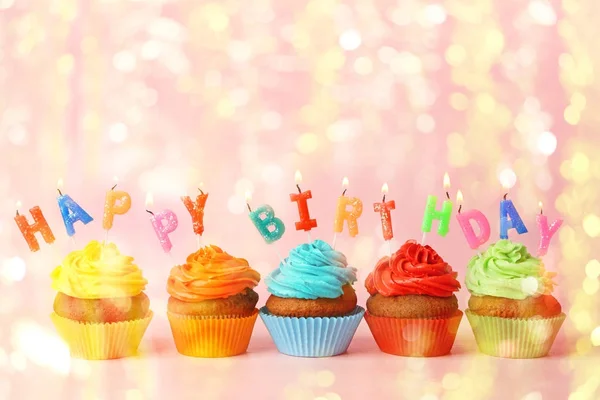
312,270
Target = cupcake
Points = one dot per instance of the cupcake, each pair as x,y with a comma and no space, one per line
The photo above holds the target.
212,304
412,310
511,310
100,310
312,309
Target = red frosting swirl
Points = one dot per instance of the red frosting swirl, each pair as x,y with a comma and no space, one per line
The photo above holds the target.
414,269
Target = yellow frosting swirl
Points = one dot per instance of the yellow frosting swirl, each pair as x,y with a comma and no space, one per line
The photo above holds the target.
98,272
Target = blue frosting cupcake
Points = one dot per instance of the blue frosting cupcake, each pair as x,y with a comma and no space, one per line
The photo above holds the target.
312,309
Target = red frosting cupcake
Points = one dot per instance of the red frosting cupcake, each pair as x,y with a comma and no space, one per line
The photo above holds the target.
412,310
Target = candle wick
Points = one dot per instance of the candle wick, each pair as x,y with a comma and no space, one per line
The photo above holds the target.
505,194
201,191
383,200
448,195
113,188
249,208
299,191
59,192
541,211
344,192
459,208
17,213
149,212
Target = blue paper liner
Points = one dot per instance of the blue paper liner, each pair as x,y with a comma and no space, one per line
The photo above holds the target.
312,337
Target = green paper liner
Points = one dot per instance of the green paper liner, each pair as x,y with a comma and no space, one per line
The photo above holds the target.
211,337
101,341
414,337
514,337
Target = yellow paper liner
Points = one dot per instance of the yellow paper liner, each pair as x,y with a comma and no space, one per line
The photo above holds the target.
210,337
414,337
101,341
514,337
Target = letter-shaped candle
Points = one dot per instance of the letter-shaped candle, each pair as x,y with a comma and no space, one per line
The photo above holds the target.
196,210
510,219
116,202
305,223
349,215
466,219
269,226
39,225
163,222
384,209
71,211
442,215
546,232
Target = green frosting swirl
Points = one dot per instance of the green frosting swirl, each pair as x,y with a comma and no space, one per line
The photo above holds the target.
507,270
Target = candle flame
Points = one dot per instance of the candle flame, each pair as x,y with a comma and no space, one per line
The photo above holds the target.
384,188
149,199
60,184
116,179
298,177
18,204
345,182
459,197
248,196
446,181
541,205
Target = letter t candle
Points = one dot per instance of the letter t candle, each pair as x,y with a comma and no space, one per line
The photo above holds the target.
384,209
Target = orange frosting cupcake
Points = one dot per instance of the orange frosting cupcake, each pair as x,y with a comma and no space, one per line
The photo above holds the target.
209,274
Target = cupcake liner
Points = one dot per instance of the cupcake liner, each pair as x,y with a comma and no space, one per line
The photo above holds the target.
312,336
101,341
414,337
211,337
514,337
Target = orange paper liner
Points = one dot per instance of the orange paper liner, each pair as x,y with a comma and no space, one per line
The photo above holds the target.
425,337
514,337
101,341
211,337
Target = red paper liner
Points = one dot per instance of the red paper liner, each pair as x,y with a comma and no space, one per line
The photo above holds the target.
425,337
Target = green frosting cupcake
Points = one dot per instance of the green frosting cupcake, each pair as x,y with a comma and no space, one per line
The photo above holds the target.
506,269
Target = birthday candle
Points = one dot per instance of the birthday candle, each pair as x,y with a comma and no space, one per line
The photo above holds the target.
305,223
71,211
348,209
384,209
442,215
510,218
163,222
546,232
39,225
466,220
268,225
116,202
196,210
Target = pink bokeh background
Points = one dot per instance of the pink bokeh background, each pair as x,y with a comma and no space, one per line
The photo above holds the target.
166,94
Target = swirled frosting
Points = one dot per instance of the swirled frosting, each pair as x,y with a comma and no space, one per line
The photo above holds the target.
311,270
506,269
98,272
211,273
413,269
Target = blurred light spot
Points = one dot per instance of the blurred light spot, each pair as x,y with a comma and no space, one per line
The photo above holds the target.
17,134
546,143
5,4
429,396
239,97
271,120
307,143
595,336
532,396
531,104
592,269
583,346
150,50
325,378
543,180
216,16
124,61
542,12
64,64
134,394
529,285
272,173
401,17
580,163
225,108
212,78
363,66
41,346
572,115
239,51
13,270
459,101
591,225
507,178
118,132
386,54
242,186
451,381
236,204
485,103
350,39
425,123
406,63
578,100
18,360
455,55
590,286
343,130
332,396
435,13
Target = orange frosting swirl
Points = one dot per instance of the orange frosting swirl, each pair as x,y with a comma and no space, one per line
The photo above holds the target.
413,270
211,273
